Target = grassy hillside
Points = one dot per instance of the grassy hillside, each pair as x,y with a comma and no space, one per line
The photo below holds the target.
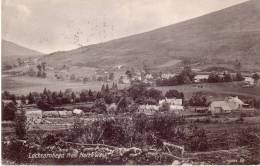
12,51
218,38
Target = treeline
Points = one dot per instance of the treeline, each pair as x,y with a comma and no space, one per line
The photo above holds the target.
125,100
187,77
226,77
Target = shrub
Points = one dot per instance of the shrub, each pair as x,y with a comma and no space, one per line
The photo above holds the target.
21,125
9,111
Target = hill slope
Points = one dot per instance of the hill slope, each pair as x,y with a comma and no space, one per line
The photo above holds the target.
218,38
12,51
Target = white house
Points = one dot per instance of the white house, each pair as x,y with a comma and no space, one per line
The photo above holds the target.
167,75
77,112
148,76
201,78
249,80
124,80
148,109
235,103
172,101
219,107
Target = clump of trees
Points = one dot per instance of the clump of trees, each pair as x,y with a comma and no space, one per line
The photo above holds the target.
41,70
21,125
198,99
185,77
8,111
226,77
174,94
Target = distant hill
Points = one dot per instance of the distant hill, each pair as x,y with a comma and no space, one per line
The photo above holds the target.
220,38
11,52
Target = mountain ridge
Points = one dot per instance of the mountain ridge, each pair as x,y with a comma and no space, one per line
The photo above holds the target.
220,37
12,51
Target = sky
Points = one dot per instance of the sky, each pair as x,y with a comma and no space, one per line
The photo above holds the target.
56,25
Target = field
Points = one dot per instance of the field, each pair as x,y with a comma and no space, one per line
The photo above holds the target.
216,90
24,85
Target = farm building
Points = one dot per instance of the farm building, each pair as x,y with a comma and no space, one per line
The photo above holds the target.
219,107
167,75
249,80
51,114
235,103
201,78
64,114
148,76
171,101
77,112
148,109
226,106
124,80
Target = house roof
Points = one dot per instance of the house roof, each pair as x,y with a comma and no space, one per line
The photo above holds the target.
235,100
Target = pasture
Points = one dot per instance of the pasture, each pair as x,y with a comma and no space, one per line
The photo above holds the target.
216,90
23,85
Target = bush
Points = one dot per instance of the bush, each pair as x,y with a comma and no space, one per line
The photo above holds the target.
9,111
21,125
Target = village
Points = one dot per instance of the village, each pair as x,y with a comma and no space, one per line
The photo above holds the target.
52,113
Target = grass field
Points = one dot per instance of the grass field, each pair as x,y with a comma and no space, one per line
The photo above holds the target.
216,90
24,85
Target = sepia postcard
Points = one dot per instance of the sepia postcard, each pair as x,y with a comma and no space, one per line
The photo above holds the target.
130,82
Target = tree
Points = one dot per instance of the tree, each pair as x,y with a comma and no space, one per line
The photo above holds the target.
9,111
103,88
21,124
174,94
23,100
227,77
154,93
107,89
137,90
73,97
43,104
198,99
13,98
238,65
91,96
100,106
20,61
213,77
83,96
186,75
111,76
39,73
256,77
165,107
129,74
6,95
31,99
239,77
72,77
